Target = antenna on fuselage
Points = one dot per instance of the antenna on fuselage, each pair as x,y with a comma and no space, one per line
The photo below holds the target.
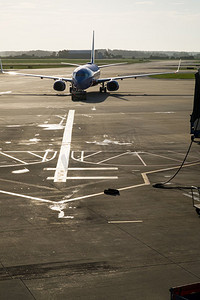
92,51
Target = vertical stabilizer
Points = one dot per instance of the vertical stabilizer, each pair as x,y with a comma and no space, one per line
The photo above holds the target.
92,51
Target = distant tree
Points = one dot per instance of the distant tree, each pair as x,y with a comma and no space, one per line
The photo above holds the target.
117,56
187,57
63,54
54,54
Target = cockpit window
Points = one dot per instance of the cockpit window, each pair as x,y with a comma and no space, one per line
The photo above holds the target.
81,74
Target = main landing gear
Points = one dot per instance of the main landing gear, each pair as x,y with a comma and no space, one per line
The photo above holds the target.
103,89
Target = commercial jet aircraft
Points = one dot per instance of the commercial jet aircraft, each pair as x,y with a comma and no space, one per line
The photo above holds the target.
85,76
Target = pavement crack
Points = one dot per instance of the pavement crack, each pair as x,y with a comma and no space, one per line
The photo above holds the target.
27,289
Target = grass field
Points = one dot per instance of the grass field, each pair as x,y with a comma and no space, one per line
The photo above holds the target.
176,76
56,63
42,63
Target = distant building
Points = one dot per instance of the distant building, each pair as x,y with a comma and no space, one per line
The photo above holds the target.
82,54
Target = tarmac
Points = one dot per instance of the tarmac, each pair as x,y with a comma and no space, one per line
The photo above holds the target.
61,237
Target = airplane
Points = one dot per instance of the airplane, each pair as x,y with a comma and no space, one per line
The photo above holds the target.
87,75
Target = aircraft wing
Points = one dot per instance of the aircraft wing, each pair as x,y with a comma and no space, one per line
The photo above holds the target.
137,75
34,75
39,76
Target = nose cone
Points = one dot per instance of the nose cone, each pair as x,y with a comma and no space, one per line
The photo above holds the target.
83,79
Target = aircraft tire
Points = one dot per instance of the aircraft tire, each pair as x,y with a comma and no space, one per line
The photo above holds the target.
198,211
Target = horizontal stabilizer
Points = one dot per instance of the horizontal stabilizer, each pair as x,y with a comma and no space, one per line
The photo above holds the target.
111,65
69,64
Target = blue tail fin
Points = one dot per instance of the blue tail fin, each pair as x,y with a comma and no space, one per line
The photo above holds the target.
92,51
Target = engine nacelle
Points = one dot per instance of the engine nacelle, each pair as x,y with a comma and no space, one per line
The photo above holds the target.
112,85
59,85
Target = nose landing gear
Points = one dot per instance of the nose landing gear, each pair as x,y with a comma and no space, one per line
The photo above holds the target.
78,95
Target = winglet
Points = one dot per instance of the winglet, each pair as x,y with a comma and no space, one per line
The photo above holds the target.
92,51
179,65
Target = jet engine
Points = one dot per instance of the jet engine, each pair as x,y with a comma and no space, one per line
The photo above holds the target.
112,85
59,85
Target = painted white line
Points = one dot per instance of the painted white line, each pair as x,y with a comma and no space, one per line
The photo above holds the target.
45,156
72,156
86,177
146,182
131,187
14,158
83,169
112,157
63,159
183,154
27,197
190,196
140,158
144,175
34,154
164,112
54,155
94,177
82,155
124,222
20,171
78,159
94,169
28,151
173,168
82,197
8,92
24,163
28,184
62,119
168,158
92,154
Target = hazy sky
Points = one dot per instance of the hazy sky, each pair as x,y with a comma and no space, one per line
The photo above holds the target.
118,24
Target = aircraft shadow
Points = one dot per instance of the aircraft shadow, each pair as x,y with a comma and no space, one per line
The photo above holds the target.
37,94
95,97
124,95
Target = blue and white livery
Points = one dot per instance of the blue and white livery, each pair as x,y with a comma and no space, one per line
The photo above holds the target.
85,76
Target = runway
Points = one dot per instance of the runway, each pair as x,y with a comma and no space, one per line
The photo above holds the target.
61,236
